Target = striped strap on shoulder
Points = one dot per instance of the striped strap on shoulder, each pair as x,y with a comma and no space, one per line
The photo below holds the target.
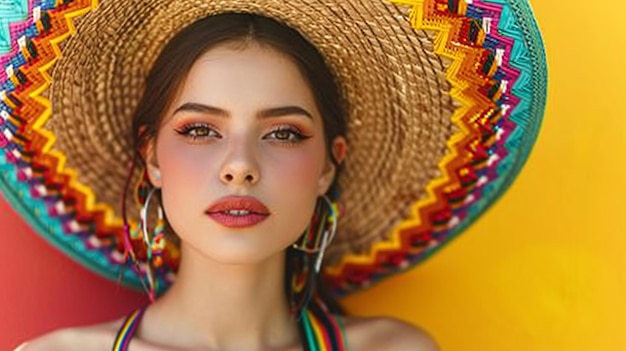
127,330
323,332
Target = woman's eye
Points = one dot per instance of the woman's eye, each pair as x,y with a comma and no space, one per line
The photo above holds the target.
198,131
286,134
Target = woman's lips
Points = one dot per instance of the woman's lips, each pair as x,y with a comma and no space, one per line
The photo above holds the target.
238,211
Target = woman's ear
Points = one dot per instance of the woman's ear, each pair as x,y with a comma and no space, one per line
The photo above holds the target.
154,172
338,150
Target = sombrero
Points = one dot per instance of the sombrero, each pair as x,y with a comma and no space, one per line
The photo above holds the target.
445,99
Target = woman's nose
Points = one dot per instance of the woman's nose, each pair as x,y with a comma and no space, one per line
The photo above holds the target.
240,166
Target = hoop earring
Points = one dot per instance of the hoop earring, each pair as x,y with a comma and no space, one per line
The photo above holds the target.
317,238
306,262
155,243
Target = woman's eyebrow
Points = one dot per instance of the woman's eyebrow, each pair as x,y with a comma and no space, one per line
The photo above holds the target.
284,111
266,113
201,108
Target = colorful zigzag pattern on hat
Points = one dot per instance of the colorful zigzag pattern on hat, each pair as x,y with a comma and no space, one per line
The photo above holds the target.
498,74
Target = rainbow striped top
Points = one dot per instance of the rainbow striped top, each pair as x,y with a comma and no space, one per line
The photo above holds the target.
321,330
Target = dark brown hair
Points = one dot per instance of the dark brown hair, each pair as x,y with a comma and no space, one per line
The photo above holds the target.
180,53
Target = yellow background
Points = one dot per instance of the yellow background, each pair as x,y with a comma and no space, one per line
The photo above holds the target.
545,268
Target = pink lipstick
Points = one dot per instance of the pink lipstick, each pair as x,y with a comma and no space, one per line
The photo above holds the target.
238,211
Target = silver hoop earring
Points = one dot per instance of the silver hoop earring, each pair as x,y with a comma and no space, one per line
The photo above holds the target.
155,242
320,233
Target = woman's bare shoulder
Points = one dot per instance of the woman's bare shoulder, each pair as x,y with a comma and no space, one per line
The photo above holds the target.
95,337
383,333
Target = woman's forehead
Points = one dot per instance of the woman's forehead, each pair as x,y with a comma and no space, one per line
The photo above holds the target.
254,76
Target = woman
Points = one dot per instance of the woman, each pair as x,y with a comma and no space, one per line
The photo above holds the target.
239,133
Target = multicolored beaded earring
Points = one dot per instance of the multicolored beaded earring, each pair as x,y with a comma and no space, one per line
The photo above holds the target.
155,242
305,261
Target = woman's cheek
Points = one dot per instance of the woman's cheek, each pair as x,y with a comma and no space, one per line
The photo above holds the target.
183,168
300,167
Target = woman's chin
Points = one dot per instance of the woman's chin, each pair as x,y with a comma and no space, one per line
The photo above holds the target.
236,253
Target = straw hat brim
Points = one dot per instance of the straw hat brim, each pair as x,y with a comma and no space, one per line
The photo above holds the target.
432,101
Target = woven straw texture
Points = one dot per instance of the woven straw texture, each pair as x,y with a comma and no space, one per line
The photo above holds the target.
444,99
398,123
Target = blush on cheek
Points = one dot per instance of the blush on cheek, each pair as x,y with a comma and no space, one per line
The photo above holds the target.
184,171
304,173
180,160
302,169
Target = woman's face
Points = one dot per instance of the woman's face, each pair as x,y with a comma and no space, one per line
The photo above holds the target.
243,123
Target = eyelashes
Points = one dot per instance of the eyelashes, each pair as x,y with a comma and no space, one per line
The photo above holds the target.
204,131
196,131
287,134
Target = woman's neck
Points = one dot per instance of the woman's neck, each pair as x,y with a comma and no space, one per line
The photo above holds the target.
223,306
